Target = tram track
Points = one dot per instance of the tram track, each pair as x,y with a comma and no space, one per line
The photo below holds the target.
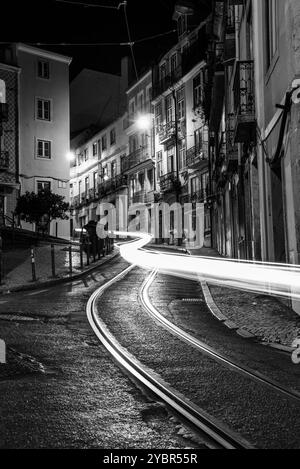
219,436
211,352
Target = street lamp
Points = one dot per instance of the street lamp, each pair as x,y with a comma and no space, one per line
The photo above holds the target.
70,156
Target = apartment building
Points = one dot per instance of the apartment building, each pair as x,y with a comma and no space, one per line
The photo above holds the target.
139,164
44,125
9,142
181,133
96,172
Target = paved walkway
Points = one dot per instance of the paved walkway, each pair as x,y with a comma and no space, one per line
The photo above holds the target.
267,317
21,275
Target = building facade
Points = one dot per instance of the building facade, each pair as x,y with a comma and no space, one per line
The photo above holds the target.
44,125
9,142
181,133
252,107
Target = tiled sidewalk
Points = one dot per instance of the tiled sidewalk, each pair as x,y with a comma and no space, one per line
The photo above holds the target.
22,274
264,316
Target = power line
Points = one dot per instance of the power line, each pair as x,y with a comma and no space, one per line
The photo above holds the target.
129,38
89,5
155,36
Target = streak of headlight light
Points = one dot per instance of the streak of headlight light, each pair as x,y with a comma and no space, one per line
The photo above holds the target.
269,278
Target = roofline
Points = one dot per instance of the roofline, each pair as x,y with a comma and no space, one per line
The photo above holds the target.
43,53
139,81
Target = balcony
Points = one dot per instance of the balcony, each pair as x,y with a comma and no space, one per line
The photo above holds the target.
75,202
169,182
166,132
135,158
143,197
197,155
196,197
4,160
162,85
244,102
112,185
231,146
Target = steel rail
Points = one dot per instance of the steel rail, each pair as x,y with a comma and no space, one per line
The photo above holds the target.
221,436
254,375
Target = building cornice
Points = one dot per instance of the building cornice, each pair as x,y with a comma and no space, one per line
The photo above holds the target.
136,84
43,53
10,68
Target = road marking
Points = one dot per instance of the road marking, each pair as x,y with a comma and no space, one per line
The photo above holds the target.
37,292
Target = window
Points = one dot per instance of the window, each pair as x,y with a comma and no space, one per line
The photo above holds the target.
43,186
197,90
158,116
204,181
131,109
194,185
95,149
159,163
62,185
113,169
271,30
141,102
43,149
133,143
113,136
87,185
71,190
198,138
43,109
149,93
104,142
182,153
105,172
173,63
170,159
43,69
86,154
163,71
169,108
180,103
79,187
95,179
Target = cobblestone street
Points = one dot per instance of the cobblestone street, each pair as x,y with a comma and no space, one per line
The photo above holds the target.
65,377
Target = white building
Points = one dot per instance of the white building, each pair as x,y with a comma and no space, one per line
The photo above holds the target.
44,125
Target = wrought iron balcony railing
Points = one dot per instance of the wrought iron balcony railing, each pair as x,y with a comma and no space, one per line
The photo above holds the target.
135,158
244,101
75,201
161,85
4,160
112,185
196,155
169,182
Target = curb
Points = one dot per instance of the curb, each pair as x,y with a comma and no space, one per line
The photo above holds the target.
50,283
216,312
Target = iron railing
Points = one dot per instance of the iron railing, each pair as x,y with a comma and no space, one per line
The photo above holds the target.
243,89
112,185
197,154
135,158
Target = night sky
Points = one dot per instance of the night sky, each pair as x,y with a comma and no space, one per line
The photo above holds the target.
52,22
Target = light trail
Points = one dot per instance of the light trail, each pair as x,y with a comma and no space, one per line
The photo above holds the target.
269,278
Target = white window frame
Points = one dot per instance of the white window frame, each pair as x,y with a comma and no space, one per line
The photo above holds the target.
42,61
37,141
48,100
